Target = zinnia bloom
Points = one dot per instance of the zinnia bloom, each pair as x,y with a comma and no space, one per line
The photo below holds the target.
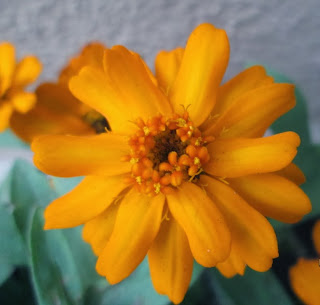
13,78
185,172
305,275
57,111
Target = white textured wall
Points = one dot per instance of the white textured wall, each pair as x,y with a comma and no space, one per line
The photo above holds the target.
284,35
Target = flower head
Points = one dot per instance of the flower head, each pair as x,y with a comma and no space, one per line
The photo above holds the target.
13,78
184,172
57,111
305,274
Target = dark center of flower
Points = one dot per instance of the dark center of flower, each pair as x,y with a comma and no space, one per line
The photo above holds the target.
165,152
96,121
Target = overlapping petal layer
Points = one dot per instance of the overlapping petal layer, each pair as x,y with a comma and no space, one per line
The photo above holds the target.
137,224
86,201
240,156
202,67
253,237
273,196
253,112
97,231
69,156
207,232
171,261
167,65
123,92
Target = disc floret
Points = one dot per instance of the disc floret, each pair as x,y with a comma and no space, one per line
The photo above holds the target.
165,152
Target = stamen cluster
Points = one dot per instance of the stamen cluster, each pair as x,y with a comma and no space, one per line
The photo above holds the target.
165,152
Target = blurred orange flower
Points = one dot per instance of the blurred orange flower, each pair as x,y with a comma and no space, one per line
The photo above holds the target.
14,77
57,111
185,172
305,275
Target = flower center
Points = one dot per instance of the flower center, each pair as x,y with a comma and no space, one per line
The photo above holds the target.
165,152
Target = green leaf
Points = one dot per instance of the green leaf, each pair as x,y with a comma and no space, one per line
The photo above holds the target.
29,188
252,288
5,271
12,249
46,279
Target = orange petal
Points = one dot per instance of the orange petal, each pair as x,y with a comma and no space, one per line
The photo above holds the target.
203,64
7,65
252,113
97,231
171,261
273,196
123,93
316,236
23,101
5,114
241,156
69,156
247,80
233,265
91,55
27,71
84,202
305,279
41,121
167,65
293,173
137,224
252,234
208,235
56,112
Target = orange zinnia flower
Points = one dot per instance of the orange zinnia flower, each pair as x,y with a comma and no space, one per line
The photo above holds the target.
184,173
13,78
57,111
305,275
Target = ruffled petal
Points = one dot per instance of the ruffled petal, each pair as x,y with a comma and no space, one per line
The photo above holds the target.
249,79
273,196
203,64
97,231
84,202
207,232
23,101
293,173
7,65
171,261
137,224
241,156
5,114
305,279
252,113
167,65
252,235
69,156
27,71
123,92
316,236
233,265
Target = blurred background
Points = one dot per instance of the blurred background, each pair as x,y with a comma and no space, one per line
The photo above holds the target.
283,35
